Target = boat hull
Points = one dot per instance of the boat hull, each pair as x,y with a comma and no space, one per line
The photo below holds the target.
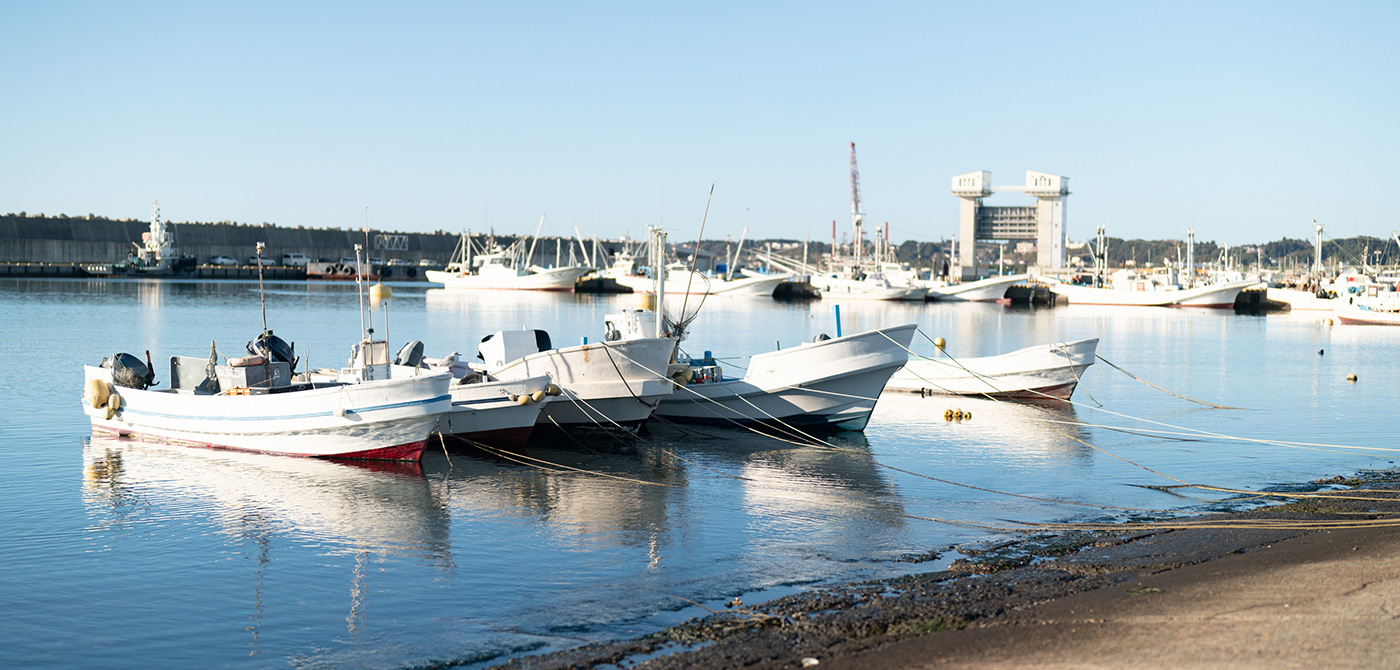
1047,371
1362,316
982,290
558,279
492,412
833,383
756,287
1218,296
384,420
604,385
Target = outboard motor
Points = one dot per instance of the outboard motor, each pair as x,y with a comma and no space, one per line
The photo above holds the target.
130,372
411,354
273,348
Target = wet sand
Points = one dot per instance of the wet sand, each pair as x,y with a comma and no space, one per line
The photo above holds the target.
1195,598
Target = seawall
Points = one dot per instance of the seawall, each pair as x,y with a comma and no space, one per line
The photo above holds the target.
65,239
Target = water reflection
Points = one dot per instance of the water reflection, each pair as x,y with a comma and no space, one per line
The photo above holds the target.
649,490
1051,430
348,506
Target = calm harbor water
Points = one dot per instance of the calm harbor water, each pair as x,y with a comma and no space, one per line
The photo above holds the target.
121,554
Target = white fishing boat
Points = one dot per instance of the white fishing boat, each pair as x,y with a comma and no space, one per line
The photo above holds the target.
1368,313
502,269
1040,372
255,403
832,382
681,280
610,384
1139,290
982,290
855,285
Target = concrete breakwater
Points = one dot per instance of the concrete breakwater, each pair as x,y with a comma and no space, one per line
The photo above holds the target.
89,239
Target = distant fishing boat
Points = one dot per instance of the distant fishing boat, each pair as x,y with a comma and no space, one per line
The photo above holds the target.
502,269
832,382
1034,373
1378,313
982,290
1137,290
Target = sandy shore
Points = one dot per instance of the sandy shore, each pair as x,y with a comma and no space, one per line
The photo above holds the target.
1185,598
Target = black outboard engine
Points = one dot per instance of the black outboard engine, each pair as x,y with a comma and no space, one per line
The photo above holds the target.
411,354
130,372
273,348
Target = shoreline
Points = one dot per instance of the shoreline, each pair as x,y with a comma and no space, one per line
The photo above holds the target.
1279,596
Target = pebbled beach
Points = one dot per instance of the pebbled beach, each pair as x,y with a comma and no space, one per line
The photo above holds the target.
1319,587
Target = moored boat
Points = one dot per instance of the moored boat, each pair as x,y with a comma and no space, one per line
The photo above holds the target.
1046,371
1368,314
982,290
1136,291
610,384
500,269
831,382
256,404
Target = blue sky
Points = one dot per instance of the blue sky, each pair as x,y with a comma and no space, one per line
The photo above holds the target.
1246,120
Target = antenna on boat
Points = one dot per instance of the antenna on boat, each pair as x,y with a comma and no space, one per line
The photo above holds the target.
360,287
262,299
681,320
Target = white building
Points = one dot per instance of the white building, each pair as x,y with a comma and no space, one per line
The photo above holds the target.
1043,222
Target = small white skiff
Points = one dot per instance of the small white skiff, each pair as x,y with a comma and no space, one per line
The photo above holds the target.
1046,371
831,382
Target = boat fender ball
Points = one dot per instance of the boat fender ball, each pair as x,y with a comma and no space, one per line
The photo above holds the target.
1351,377
948,415
967,415
940,343
553,389
537,396
524,399
115,402
95,393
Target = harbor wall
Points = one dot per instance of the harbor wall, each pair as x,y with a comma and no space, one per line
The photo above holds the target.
39,239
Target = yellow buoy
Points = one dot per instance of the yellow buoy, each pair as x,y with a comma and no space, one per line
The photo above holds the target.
379,293
948,415
1327,321
537,396
940,343
646,301
1351,377
95,392
957,415
967,415
553,389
